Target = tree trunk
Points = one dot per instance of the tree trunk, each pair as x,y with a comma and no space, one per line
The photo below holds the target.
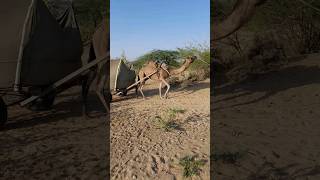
242,11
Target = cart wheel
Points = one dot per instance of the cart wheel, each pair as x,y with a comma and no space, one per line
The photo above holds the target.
123,92
3,113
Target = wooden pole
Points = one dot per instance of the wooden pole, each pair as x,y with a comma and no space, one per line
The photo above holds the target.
136,83
16,86
64,80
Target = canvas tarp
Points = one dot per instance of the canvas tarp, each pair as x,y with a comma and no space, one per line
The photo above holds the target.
51,46
121,76
13,14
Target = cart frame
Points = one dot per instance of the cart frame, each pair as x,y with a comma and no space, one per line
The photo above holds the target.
54,86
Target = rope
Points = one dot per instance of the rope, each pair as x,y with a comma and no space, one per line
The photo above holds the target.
204,61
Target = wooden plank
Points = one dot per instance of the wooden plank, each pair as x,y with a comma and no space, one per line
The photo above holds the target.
142,80
64,80
136,83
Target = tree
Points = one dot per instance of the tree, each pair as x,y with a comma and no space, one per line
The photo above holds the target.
242,12
164,56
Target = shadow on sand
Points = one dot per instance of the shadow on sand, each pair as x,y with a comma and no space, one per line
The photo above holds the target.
292,171
62,111
189,89
270,84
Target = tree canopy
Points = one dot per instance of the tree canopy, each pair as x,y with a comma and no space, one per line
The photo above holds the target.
164,56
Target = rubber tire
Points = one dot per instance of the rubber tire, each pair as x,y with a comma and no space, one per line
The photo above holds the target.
124,92
3,113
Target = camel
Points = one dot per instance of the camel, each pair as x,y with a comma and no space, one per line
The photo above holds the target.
161,74
99,48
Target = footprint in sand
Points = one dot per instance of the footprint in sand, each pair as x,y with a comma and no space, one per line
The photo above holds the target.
156,164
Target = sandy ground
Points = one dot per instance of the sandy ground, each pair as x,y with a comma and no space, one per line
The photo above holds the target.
142,150
56,144
268,128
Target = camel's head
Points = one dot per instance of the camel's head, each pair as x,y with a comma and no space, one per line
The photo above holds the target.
190,59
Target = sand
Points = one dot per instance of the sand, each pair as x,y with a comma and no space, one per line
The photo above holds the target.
268,128
61,144
56,144
141,150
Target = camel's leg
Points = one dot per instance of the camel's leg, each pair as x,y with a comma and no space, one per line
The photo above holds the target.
102,99
100,92
141,76
168,87
86,83
140,89
160,87
137,87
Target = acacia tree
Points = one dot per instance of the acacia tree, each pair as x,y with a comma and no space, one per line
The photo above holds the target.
164,56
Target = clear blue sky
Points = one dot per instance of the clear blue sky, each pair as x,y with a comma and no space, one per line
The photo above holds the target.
138,26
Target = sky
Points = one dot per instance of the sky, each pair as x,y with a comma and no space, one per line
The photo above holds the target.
139,26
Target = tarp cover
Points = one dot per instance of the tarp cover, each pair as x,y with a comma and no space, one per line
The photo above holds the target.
52,47
121,76
12,16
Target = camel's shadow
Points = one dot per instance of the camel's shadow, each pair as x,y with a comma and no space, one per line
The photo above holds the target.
188,88
183,88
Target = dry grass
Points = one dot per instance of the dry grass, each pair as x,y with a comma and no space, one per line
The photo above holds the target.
168,119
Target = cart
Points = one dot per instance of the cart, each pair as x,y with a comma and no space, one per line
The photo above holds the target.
40,50
123,78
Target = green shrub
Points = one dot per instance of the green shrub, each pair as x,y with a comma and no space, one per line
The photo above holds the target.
191,166
165,56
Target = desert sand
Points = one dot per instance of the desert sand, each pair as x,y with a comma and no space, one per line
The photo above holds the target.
268,128
56,144
142,150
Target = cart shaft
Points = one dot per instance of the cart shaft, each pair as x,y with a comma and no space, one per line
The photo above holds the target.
64,80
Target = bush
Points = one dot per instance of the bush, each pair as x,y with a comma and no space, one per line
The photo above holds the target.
281,29
294,23
164,56
191,166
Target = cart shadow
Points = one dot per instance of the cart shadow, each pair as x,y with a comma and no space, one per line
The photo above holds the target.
130,95
149,93
62,111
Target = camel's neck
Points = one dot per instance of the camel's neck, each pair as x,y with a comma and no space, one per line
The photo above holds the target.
179,70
